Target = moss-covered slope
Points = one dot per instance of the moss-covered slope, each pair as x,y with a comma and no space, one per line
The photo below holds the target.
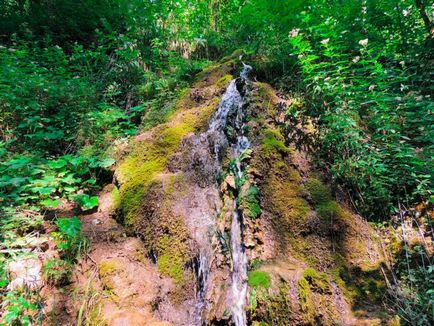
321,263
151,186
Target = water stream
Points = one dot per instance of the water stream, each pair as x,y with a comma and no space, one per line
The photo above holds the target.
231,105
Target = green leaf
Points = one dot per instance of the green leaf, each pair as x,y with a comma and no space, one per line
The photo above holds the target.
69,226
103,163
86,202
50,203
57,164
43,190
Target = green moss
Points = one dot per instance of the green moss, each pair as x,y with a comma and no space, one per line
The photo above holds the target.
212,74
199,121
171,258
336,273
360,287
319,192
282,193
264,97
326,207
259,279
116,198
304,294
140,168
109,267
329,210
253,302
250,202
319,282
259,323
233,56
170,264
271,307
273,142
224,81
148,155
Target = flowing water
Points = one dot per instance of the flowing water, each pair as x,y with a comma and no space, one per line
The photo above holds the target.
231,105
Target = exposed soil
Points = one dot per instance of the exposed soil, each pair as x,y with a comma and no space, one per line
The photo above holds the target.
115,279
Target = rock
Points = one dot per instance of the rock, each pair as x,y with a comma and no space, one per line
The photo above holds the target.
230,180
249,243
25,272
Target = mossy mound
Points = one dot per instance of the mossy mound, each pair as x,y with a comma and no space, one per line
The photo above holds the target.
319,192
273,142
150,152
164,232
333,253
282,187
318,280
147,191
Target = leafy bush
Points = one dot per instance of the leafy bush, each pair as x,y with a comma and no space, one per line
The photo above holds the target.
19,309
28,179
378,160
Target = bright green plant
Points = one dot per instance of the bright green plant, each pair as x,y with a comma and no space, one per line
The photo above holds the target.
249,201
18,309
69,238
86,202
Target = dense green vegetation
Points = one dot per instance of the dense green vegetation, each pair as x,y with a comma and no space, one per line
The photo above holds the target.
77,77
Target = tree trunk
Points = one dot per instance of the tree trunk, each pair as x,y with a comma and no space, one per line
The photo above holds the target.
428,24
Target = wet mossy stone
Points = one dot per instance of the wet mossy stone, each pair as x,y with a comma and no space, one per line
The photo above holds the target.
150,154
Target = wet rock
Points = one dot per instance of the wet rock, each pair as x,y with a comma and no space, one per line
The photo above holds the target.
249,243
228,183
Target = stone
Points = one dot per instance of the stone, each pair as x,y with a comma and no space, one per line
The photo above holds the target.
230,181
25,272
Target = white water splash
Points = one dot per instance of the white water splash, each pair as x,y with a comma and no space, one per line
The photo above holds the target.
231,103
239,257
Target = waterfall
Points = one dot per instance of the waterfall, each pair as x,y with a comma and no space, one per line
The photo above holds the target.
231,105
239,257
